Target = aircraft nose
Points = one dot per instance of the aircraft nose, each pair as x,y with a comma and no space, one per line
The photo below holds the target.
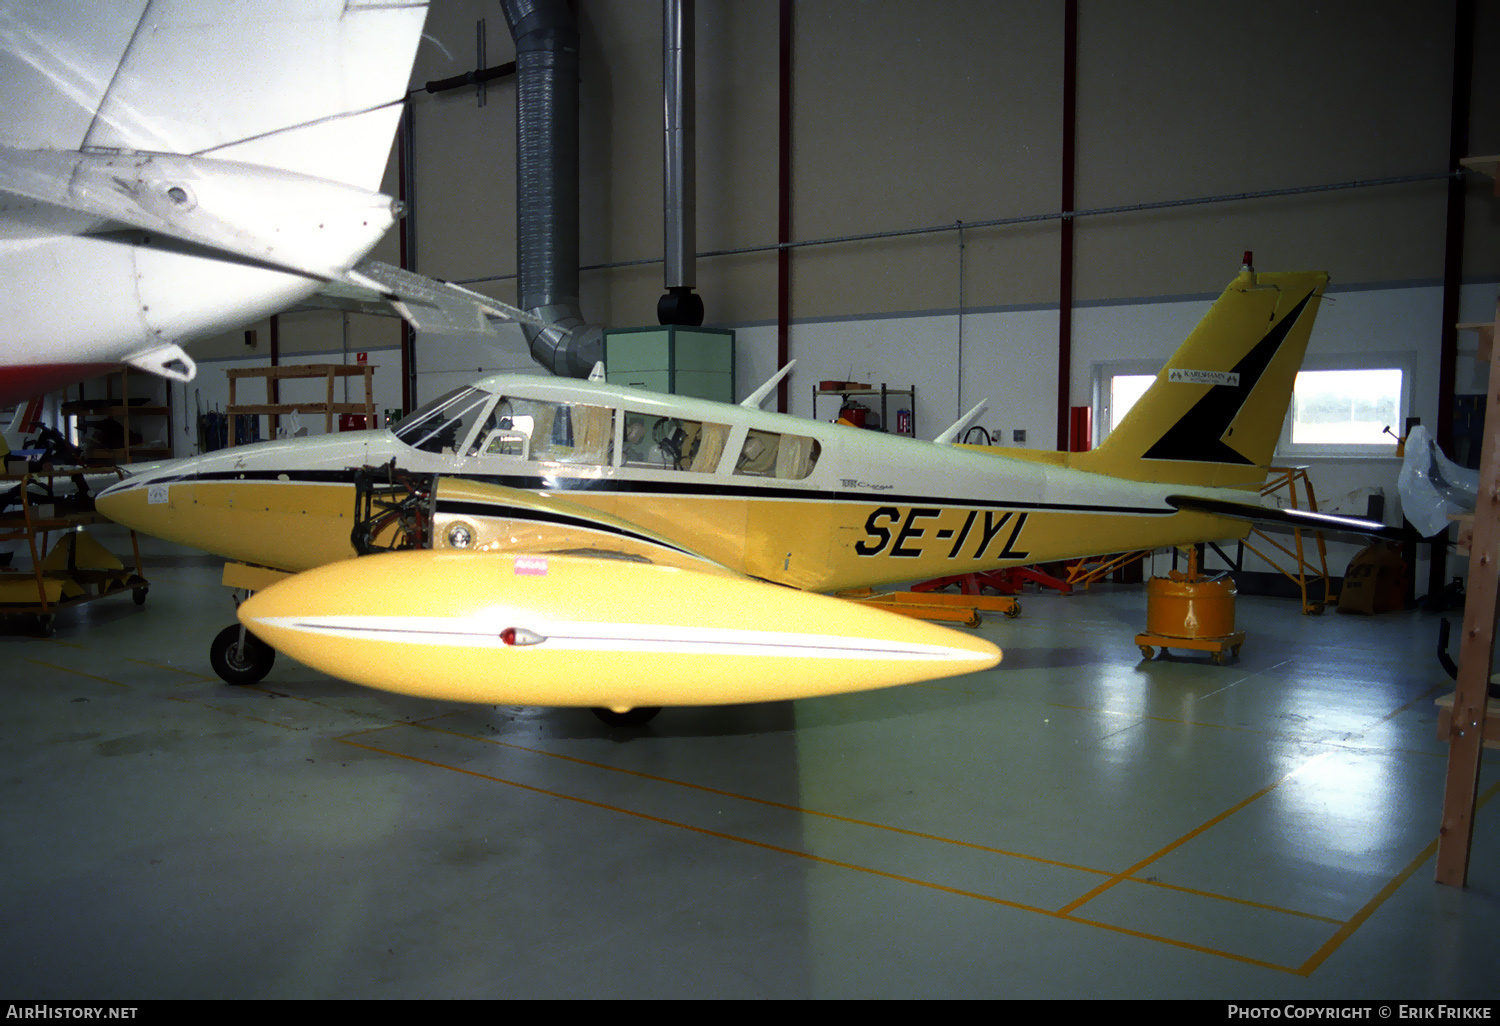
116,502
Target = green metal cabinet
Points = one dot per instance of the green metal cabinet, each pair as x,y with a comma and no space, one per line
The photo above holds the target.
696,362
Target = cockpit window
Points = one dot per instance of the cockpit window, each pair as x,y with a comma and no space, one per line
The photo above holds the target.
550,432
768,454
670,443
442,425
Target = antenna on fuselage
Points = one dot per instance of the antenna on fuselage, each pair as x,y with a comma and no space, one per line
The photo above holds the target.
947,437
754,399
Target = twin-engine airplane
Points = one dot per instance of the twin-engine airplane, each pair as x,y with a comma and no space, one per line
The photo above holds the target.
172,169
578,543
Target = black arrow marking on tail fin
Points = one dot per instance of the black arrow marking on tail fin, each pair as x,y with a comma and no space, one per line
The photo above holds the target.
1199,435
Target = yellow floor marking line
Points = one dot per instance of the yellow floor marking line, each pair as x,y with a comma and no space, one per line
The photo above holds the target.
174,669
1203,949
1238,901
989,898
695,829
1185,838
876,826
879,826
1358,919
80,673
1424,696
232,712
747,798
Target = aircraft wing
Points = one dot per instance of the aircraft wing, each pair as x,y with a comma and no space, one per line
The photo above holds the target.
312,87
1287,518
170,169
259,129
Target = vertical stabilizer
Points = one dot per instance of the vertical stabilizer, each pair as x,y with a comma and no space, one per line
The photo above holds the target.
1215,411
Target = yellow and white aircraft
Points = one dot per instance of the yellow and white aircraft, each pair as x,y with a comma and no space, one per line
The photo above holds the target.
592,545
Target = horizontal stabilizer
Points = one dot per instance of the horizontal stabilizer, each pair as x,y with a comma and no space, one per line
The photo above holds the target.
1291,518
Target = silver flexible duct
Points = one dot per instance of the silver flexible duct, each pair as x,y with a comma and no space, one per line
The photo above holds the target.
546,39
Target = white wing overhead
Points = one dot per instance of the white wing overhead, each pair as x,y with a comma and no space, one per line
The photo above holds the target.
57,61
311,86
171,169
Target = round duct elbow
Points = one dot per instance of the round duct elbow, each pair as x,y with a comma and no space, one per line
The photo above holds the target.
568,346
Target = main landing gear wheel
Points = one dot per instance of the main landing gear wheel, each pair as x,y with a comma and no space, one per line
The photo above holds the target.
630,718
239,657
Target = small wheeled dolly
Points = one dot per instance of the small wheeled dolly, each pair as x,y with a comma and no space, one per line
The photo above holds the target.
1215,646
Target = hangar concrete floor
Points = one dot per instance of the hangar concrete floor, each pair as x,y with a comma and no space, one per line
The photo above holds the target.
1075,823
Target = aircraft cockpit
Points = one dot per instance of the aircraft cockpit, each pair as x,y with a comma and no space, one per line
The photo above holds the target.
443,424
478,424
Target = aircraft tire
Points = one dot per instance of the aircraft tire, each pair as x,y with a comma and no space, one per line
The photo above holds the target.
240,664
634,718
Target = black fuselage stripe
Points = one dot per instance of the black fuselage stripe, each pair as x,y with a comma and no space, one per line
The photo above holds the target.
670,489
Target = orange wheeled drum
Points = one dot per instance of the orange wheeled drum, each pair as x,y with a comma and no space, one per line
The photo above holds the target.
1186,610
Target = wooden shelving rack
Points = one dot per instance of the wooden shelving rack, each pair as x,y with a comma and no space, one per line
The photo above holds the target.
275,410
123,411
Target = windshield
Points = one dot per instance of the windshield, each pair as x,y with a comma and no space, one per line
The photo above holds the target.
443,424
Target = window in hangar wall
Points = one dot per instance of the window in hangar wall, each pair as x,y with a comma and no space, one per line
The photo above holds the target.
1341,405
1117,387
1347,411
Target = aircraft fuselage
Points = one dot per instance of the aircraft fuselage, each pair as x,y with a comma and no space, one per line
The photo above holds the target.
816,506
